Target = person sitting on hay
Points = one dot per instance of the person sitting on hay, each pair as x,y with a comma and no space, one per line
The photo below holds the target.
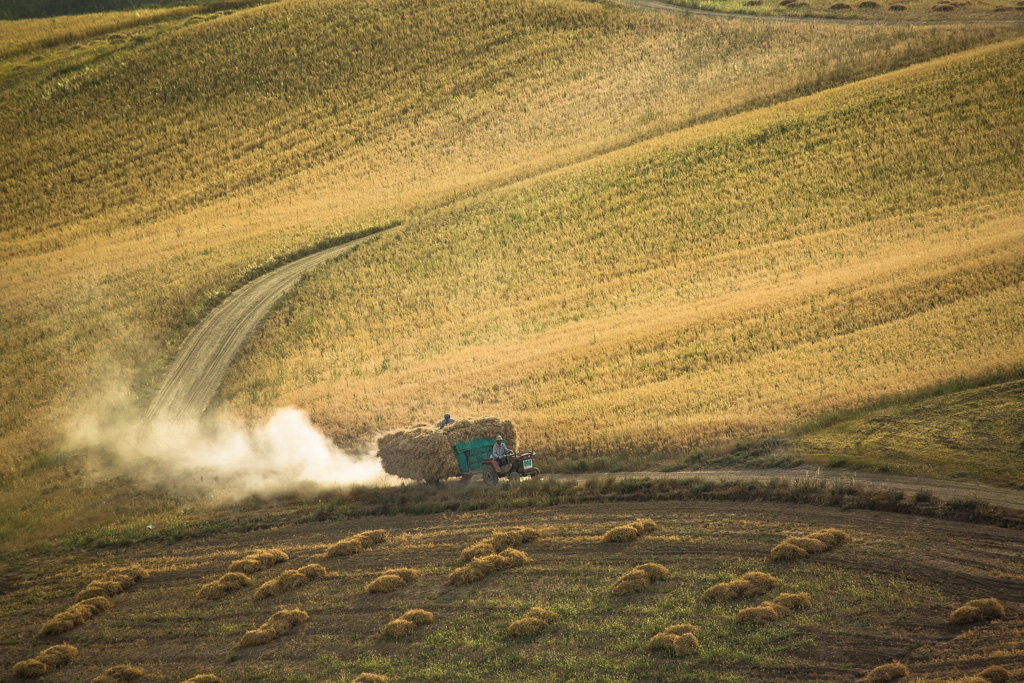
500,451
446,421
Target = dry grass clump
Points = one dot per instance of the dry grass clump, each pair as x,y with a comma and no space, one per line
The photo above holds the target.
678,639
367,677
290,579
638,578
392,580
357,543
258,561
273,628
113,582
748,585
886,672
481,567
629,532
228,583
534,621
119,672
77,614
205,678
797,547
407,623
47,660
498,541
977,610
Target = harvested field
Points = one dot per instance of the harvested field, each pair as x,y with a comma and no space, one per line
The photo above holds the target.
885,602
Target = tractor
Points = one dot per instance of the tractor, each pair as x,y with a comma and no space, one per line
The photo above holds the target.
475,456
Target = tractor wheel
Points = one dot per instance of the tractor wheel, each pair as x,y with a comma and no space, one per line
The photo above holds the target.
490,476
513,478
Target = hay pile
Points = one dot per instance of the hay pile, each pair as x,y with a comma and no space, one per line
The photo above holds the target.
290,579
629,532
258,561
49,659
204,678
534,621
113,582
273,628
407,623
499,540
886,672
749,585
994,674
480,568
357,543
678,639
367,677
797,547
228,583
392,580
428,454
773,610
79,613
638,578
120,672
977,610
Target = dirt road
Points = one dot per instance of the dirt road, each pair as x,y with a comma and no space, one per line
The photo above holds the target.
204,358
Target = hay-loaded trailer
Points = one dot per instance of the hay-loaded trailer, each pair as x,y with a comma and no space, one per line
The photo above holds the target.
475,456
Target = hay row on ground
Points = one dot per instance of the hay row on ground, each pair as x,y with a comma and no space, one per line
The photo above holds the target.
481,567
113,582
228,583
630,532
392,580
428,454
639,578
120,672
258,560
749,585
773,610
204,678
407,623
886,672
984,609
357,543
273,628
992,674
678,640
534,621
49,659
79,613
290,579
797,547
498,541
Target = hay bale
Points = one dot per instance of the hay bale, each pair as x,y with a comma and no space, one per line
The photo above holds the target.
483,428
29,668
285,620
654,571
385,583
258,560
886,672
407,574
966,615
289,579
809,544
510,558
675,643
995,674
313,571
784,603
75,615
419,617
422,453
990,608
346,546
260,636
122,672
367,677
680,629
397,628
476,550
727,590
633,581
645,526
621,534
831,537
58,655
786,551
761,581
372,537
762,614
204,678
545,615
227,583
512,538
527,626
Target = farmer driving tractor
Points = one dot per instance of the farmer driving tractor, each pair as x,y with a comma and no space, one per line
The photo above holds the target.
499,453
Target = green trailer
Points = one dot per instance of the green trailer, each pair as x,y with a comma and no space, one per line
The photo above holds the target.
475,456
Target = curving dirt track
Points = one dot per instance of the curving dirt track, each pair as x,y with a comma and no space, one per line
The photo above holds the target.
202,363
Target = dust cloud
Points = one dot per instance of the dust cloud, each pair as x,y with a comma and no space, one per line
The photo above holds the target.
220,455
